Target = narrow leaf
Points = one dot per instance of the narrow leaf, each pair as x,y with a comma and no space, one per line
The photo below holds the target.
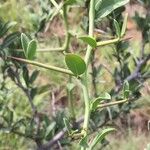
117,28
6,27
9,39
124,26
25,75
105,7
34,76
89,40
126,90
49,130
31,49
67,125
83,142
100,136
75,63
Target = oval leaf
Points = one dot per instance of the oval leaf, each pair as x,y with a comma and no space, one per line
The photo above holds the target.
31,50
75,63
89,40
24,42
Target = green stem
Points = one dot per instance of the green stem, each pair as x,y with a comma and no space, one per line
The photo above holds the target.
103,43
91,30
55,3
87,105
66,49
84,80
57,49
112,103
67,37
58,9
61,70
70,100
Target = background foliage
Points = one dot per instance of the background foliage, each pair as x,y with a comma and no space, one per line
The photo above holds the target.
25,90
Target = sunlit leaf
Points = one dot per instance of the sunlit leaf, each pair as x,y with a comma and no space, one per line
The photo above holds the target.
105,7
89,40
31,49
24,42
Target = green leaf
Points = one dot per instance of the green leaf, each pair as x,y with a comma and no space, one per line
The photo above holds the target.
75,63
10,117
105,7
6,27
34,76
49,130
67,125
43,89
31,49
124,26
126,90
33,92
25,74
99,137
83,142
97,4
70,2
89,40
117,28
96,101
10,39
24,41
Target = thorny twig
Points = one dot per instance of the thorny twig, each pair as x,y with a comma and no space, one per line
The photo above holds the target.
136,73
33,107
